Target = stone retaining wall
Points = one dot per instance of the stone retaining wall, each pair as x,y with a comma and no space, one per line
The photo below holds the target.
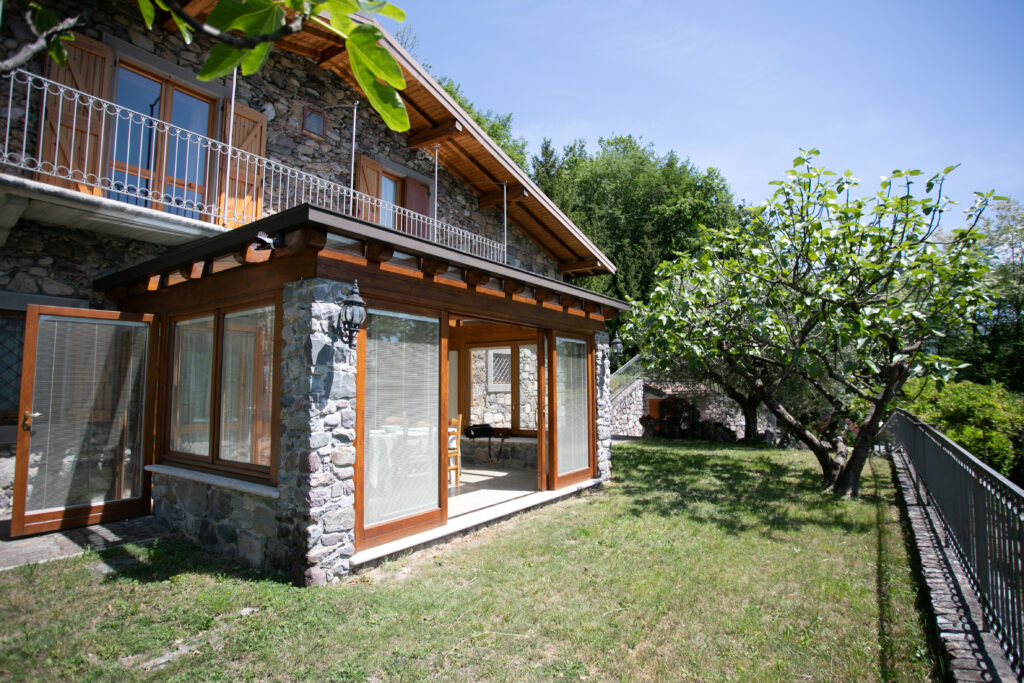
627,407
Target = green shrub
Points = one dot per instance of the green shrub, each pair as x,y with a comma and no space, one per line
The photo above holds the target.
986,419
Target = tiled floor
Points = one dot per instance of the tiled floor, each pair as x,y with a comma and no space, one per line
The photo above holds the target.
483,487
57,544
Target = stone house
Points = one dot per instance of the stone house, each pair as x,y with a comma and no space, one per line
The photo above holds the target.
178,305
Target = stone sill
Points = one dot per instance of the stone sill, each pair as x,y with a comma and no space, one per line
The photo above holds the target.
217,480
466,523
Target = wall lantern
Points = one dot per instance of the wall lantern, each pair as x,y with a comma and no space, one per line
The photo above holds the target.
616,347
352,316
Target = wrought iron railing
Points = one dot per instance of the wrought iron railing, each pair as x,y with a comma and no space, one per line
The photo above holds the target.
76,140
983,516
627,373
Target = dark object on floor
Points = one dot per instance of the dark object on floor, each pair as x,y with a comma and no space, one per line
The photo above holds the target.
482,430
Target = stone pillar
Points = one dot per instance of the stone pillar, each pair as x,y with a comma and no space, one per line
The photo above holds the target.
602,362
318,421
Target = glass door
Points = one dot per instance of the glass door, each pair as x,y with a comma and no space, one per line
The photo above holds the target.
81,419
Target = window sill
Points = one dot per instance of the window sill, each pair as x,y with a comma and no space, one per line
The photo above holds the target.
217,480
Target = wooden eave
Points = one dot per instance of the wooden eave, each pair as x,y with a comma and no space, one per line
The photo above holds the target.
464,148
301,232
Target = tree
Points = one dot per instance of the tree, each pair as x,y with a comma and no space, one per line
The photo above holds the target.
637,207
994,347
244,33
847,296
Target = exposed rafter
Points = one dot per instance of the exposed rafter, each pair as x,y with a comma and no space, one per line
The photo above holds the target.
516,193
583,266
438,134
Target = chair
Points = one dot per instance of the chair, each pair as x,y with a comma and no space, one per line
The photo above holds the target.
455,448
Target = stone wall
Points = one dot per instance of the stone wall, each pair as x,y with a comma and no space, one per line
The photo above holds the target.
714,406
627,407
307,530
64,261
281,90
603,376
6,479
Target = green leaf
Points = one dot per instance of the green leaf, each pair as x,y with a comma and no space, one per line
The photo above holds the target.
363,49
148,12
249,17
255,59
391,12
221,62
382,97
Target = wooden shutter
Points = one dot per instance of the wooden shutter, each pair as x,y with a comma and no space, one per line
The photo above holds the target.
368,182
417,198
241,195
70,144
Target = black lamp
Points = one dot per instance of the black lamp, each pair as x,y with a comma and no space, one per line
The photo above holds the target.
616,347
353,315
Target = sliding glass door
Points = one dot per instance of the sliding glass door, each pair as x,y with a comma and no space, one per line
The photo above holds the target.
400,437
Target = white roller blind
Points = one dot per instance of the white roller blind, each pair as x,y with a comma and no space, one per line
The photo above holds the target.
400,439
573,427
89,384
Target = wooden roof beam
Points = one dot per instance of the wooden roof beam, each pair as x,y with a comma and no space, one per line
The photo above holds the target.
582,266
440,133
328,55
516,193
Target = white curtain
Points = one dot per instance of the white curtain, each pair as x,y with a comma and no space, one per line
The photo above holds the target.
401,459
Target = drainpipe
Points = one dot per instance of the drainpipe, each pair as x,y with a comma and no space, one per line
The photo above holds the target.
352,163
504,206
231,121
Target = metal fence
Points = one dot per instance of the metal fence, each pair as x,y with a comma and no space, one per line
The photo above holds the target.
626,374
983,516
84,143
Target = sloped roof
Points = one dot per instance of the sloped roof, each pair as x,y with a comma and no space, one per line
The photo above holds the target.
465,149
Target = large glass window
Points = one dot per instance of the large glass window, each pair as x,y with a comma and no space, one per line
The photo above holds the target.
401,458
573,429
241,344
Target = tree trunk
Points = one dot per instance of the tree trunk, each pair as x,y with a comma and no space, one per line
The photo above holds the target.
749,408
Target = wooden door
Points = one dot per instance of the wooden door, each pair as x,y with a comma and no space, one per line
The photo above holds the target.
72,144
82,437
242,175
368,182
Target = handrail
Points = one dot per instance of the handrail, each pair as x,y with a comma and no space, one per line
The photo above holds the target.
983,514
71,138
626,374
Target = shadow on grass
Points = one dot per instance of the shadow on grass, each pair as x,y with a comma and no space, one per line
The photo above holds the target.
736,488
172,555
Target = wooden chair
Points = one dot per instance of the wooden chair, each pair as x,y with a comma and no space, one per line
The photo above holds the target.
455,448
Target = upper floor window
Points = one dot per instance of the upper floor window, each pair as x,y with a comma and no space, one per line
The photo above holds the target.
403,203
159,162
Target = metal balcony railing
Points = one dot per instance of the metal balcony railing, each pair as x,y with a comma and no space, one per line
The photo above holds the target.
81,142
983,515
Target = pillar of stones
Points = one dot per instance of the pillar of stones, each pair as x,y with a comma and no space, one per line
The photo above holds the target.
604,421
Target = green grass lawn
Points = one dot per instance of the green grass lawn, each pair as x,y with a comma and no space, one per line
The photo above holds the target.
696,563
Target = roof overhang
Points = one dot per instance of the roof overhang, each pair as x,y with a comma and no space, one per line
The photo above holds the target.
310,228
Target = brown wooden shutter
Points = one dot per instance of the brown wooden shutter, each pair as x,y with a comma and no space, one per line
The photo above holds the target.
417,198
368,182
72,131
241,196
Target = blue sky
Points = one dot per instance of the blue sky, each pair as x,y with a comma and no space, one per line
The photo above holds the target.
741,85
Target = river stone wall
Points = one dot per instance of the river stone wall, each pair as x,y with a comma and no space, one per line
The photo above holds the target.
714,406
284,87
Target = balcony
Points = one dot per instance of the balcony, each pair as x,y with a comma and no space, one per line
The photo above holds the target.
84,144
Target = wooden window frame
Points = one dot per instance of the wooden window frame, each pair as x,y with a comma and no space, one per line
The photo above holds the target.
467,379
168,85
319,112
212,462
377,534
